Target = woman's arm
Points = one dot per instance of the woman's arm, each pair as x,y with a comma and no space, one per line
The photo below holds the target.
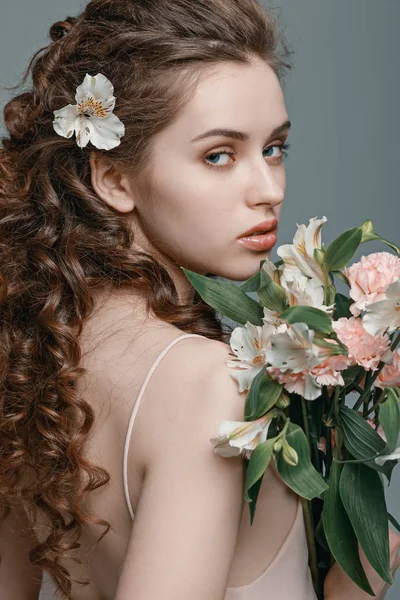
186,524
339,586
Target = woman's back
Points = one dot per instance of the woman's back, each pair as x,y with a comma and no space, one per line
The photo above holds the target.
120,352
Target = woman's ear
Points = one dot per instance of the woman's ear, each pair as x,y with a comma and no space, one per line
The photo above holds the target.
111,185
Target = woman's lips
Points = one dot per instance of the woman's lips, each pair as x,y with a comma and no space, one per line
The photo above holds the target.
262,242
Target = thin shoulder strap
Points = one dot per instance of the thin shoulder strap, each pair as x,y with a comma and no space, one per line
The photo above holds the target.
136,408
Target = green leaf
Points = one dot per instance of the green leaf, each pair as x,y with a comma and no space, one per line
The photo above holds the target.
262,395
339,532
258,463
342,277
361,440
271,294
252,284
303,477
389,418
363,497
353,375
253,495
373,236
342,307
342,249
226,298
316,319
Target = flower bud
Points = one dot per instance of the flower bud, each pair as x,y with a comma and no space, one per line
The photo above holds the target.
319,256
283,401
278,445
290,455
367,229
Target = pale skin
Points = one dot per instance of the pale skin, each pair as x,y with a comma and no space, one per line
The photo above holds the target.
192,218
195,214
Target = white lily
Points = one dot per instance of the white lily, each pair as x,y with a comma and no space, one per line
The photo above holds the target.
91,118
249,345
271,270
300,254
302,291
395,455
241,437
384,316
273,323
294,349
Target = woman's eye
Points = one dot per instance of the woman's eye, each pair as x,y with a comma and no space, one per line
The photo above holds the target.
212,160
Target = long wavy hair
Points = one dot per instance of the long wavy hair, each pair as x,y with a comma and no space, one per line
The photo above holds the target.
59,241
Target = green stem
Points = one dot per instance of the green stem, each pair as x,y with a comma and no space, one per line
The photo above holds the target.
338,431
377,401
309,527
396,342
305,421
368,385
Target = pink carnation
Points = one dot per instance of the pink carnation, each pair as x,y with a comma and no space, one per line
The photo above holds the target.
329,372
390,374
364,349
370,278
293,382
306,383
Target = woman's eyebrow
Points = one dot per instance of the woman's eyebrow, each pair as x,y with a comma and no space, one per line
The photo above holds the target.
240,135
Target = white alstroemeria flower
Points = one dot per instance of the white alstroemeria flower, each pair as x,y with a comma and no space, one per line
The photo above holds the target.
273,323
241,437
300,254
302,291
91,118
294,349
384,316
249,345
271,270
395,455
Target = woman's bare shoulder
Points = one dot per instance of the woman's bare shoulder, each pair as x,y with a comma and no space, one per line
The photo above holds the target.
192,382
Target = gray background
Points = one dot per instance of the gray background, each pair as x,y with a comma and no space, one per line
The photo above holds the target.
342,98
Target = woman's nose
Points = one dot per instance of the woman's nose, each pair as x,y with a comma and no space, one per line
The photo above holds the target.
268,186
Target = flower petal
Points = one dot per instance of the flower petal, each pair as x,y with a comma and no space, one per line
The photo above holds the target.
84,131
107,132
395,455
244,377
313,235
98,87
65,119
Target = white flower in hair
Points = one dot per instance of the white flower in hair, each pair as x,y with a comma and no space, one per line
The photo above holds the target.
91,118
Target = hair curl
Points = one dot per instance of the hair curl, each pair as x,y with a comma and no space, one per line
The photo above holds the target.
59,242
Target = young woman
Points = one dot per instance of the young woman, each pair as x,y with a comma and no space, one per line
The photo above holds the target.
113,374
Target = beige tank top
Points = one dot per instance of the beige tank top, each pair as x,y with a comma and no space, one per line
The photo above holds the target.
288,576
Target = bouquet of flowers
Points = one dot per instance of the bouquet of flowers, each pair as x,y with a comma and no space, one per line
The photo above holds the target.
303,352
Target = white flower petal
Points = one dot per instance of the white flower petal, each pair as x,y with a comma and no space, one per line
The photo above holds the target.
313,235
384,315
240,437
98,87
294,349
107,132
65,120
246,344
84,131
395,455
393,292
313,388
243,376
300,254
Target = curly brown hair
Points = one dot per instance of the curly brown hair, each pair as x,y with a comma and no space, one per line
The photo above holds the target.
59,242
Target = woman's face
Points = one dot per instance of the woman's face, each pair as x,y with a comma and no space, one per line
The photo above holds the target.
205,193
